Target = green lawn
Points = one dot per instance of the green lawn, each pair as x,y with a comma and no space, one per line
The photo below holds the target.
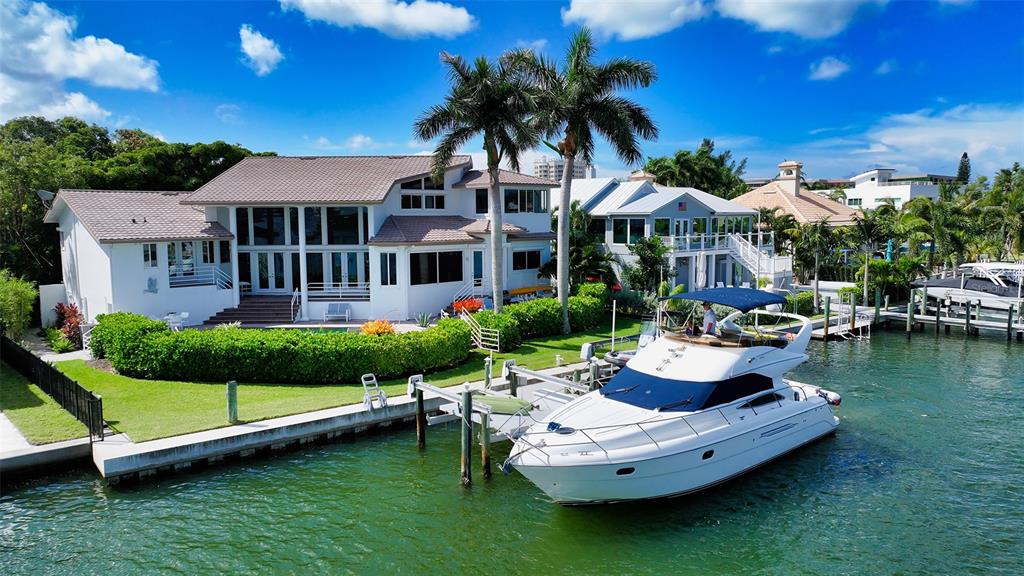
39,418
150,409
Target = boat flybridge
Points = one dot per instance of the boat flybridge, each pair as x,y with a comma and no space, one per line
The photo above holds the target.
996,285
685,413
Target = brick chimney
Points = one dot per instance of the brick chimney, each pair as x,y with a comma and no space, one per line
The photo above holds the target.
789,176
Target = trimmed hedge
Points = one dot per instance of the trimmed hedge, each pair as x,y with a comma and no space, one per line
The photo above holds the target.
136,348
804,303
540,317
594,290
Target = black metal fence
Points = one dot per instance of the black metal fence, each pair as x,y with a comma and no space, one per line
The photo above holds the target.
81,403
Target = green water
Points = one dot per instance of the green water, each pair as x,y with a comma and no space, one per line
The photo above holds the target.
925,476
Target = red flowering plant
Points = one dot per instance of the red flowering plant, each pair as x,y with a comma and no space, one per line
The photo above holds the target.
468,305
69,322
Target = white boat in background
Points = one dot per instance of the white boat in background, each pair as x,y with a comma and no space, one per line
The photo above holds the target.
996,285
684,414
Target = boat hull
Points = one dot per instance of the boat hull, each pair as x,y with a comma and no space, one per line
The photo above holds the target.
685,471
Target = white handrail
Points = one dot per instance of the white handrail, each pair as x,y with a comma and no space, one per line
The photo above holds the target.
209,275
338,290
484,338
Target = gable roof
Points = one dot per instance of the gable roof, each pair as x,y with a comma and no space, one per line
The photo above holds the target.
112,216
588,191
435,230
481,179
314,179
807,207
667,194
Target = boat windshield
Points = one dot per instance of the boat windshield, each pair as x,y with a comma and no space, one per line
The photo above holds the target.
669,395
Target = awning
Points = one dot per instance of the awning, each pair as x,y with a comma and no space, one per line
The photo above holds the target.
743,299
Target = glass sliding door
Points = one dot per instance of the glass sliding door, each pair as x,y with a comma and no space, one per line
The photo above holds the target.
271,272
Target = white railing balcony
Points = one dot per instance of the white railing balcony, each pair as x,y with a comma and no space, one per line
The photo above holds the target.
696,242
208,275
339,291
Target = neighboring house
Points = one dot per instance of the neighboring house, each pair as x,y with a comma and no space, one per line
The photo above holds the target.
711,239
875,187
786,194
373,232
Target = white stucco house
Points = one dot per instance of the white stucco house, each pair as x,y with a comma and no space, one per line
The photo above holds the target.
280,238
875,187
712,240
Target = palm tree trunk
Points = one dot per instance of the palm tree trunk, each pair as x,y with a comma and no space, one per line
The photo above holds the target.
497,244
867,257
816,263
562,247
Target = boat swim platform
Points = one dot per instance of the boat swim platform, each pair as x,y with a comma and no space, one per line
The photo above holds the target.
119,459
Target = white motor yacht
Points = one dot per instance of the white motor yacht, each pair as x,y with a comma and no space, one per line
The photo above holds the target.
684,414
996,285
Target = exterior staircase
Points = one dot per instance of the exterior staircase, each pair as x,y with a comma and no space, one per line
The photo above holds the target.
761,263
256,310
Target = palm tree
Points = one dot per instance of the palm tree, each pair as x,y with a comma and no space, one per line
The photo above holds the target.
587,259
819,239
575,102
865,232
489,100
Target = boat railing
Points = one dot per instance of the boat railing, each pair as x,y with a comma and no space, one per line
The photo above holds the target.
593,432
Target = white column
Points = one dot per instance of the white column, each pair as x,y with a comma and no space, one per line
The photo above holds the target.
233,226
711,271
730,271
303,278
693,274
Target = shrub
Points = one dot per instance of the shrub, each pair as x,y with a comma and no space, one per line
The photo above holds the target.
804,303
377,328
118,335
594,290
16,298
296,356
844,294
468,305
585,312
540,317
507,326
635,303
423,319
58,342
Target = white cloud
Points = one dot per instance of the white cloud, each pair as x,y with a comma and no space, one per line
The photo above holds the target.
806,18
261,53
828,68
535,45
922,141
633,20
392,17
774,49
360,142
228,113
40,52
886,67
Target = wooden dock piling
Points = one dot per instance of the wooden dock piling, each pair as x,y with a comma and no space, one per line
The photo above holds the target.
466,476
232,402
485,445
828,306
853,312
1009,323
421,421
967,319
910,315
878,304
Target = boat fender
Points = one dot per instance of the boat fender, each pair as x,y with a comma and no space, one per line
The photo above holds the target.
830,397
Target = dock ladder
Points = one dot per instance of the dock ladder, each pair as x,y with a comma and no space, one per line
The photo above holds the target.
373,393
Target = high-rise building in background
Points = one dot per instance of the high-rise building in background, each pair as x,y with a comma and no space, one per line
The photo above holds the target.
551,168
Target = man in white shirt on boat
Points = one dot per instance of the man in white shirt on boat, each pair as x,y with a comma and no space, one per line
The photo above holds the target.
710,324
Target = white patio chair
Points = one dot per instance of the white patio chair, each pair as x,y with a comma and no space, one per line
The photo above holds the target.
744,284
372,392
338,310
719,284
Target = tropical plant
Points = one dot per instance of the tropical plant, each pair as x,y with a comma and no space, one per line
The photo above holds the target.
813,242
587,257
651,265
423,319
69,322
492,100
702,169
377,328
16,298
468,305
577,100
779,224
865,233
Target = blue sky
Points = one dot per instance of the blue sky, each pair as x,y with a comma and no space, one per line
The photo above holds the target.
841,86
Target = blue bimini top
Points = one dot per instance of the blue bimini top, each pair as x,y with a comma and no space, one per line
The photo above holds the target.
742,299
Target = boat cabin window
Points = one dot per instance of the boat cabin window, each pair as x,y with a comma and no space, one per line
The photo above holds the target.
736,388
763,401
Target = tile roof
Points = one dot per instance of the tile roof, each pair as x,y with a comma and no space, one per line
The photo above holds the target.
313,179
128,216
807,207
435,230
480,179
